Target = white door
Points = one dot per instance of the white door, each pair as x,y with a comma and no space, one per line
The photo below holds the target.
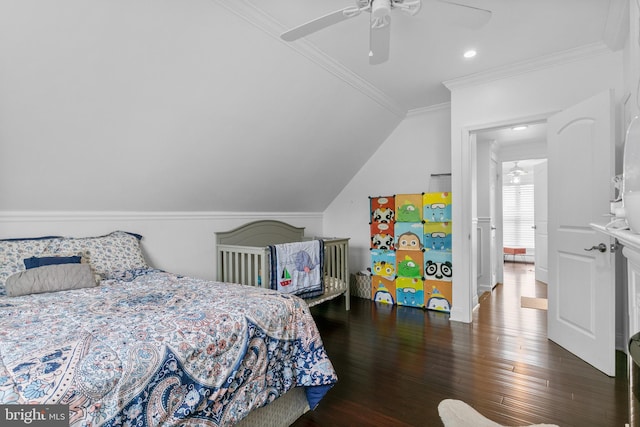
581,287
540,221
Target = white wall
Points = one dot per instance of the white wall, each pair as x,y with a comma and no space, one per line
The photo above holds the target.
510,97
180,242
532,149
174,106
419,147
184,242
626,303
632,65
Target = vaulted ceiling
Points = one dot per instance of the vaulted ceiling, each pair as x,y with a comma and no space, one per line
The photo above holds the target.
167,105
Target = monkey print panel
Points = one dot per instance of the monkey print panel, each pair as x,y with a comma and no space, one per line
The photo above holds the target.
409,236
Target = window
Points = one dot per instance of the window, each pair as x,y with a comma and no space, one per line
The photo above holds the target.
517,216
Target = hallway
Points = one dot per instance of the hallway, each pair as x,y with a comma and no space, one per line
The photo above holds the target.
520,283
523,275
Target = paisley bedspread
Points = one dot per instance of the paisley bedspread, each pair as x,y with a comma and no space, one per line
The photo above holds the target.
155,348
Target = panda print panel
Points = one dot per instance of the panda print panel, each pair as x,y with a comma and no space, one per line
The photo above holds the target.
438,266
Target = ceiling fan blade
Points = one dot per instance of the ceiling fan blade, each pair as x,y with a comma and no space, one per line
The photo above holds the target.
319,23
379,39
464,15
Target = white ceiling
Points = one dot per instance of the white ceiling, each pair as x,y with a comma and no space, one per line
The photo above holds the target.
173,105
426,49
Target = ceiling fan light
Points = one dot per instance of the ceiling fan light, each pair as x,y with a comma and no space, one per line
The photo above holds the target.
516,172
380,8
380,22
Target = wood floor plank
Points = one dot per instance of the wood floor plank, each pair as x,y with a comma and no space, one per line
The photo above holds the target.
395,365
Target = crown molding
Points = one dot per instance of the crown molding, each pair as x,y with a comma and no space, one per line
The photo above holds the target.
429,109
267,23
515,69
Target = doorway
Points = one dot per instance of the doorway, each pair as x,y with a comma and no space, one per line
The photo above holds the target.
511,164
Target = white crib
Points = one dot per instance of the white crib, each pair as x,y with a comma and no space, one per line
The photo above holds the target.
243,257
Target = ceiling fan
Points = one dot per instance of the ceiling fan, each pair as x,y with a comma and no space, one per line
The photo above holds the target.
380,22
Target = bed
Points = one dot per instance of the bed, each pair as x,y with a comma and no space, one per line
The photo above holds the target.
244,256
90,325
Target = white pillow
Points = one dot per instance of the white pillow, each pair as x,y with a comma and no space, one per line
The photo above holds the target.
115,252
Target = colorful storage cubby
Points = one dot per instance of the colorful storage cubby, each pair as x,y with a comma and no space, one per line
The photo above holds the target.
382,235
436,207
438,271
411,262
408,207
438,260
409,236
437,236
410,292
383,209
381,222
438,295
383,290
438,266
383,263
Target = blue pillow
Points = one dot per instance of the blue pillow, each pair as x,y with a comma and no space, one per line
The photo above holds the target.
35,262
19,239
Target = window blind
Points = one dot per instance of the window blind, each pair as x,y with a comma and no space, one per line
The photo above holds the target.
517,216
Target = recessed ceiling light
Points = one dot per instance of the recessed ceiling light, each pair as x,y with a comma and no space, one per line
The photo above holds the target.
470,53
519,127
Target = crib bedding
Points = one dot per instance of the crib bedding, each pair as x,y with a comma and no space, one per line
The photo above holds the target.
297,268
151,347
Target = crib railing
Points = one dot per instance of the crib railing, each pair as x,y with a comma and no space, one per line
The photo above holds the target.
249,265
243,264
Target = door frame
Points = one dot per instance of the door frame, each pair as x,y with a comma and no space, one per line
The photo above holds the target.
541,261
464,242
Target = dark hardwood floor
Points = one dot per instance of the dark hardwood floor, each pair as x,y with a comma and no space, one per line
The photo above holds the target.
395,364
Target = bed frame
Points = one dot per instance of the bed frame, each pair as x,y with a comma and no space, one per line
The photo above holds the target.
243,257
